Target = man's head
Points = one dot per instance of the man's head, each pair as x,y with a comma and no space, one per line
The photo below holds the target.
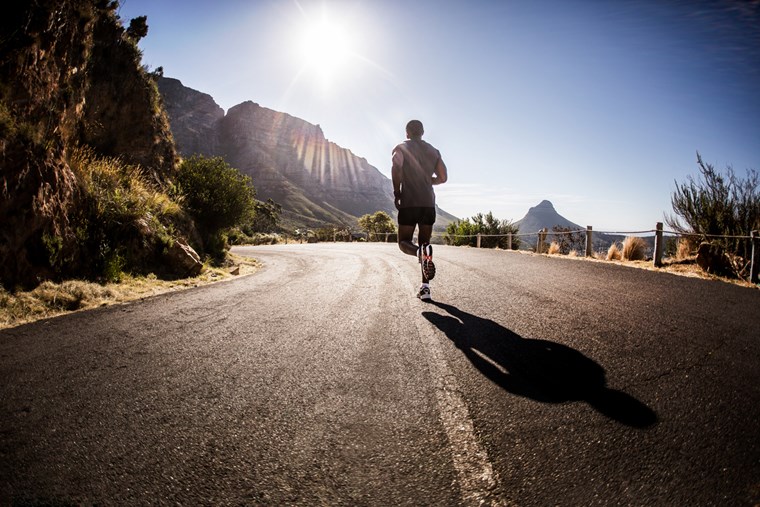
414,129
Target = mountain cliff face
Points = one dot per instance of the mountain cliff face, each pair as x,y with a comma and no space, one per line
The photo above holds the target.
69,76
290,161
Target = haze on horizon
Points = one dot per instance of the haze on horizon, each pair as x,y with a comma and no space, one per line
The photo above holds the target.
596,106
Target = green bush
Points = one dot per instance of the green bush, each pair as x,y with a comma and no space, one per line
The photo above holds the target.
217,196
464,232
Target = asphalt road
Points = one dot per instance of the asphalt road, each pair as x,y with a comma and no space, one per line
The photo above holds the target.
322,380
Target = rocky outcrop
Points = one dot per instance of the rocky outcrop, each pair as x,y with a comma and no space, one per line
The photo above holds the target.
194,117
69,76
123,116
289,160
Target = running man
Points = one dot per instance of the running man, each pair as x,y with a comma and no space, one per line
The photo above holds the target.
417,166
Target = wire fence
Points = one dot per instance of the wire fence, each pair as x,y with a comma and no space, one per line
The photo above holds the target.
578,241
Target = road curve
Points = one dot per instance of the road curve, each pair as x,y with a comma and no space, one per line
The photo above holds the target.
321,379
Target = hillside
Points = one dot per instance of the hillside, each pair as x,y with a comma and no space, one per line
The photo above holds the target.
290,160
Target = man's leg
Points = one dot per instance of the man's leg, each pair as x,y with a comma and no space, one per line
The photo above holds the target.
426,231
405,236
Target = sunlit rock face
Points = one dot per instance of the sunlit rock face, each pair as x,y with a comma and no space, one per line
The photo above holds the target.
290,161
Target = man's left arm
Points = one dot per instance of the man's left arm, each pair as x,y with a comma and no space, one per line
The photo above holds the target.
441,174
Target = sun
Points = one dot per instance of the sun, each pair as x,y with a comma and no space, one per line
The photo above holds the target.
325,48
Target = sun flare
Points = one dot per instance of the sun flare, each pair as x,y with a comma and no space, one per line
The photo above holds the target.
325,48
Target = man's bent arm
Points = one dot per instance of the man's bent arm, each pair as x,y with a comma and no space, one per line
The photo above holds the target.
441,173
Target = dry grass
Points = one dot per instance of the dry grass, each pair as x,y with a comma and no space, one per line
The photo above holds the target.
613,253
51,299
684,249
554,248
634,249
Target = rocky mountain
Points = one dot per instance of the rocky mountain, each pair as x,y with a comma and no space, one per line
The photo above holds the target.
543,215
289,160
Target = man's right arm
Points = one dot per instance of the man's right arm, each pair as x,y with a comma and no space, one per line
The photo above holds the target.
398,162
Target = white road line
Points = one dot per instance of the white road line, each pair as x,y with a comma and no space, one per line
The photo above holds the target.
477,479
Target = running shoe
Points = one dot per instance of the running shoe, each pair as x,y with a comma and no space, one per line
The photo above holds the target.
424,293
426,259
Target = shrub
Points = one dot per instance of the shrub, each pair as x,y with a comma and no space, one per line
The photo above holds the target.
217,196
115,199
613,253
464,232
718,204
634,249
266,217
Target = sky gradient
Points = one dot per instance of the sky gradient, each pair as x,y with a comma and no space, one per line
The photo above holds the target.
596,106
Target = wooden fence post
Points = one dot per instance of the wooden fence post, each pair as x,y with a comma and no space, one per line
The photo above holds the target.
541,240
589,242
509,241
755,266
478,240
658,246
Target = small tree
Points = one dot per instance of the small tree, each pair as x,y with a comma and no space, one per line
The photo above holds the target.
377,223
138,28
217,196
718,204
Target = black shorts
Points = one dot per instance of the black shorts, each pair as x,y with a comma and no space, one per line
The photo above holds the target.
415,216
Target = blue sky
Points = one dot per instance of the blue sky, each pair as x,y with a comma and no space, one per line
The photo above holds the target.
597,106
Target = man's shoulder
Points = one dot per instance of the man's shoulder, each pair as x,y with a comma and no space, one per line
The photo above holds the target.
430,148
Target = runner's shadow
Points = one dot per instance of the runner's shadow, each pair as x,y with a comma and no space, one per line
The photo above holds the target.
541,370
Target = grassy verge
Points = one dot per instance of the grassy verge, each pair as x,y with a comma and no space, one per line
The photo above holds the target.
52,299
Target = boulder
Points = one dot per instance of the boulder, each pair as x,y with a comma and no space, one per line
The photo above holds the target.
183,259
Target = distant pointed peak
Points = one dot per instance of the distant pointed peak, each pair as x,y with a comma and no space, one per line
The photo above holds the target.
545,204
